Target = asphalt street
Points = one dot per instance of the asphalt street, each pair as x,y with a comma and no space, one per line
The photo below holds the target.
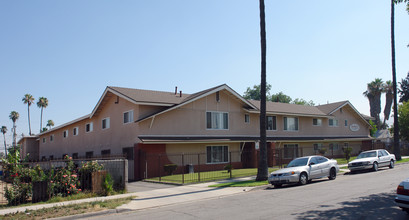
366,195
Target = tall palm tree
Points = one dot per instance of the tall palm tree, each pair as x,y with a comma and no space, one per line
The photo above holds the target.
28,99
50,123
14,117
388,89
4,131
262,170
373,93
42,103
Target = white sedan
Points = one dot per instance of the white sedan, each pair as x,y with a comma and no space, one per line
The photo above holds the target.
304,169
372,159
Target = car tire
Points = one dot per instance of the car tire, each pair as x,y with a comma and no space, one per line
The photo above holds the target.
375,166
332,174
277,185
303,179
392,164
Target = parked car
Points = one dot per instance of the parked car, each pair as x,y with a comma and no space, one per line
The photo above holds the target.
402,198
372,159
302,170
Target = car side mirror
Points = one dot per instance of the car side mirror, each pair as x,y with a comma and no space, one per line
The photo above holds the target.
312,163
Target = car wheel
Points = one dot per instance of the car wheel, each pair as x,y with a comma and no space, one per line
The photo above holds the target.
277,185
303,179
375,166
332,174
392,164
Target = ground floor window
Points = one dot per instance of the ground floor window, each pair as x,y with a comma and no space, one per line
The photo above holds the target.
217,154
290,150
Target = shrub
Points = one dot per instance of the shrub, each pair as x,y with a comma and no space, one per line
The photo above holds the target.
64,181
347,153
90,166
18,193
107,185
228,167
322,151
170,168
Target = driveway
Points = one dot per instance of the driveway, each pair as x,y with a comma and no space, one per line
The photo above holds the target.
141,186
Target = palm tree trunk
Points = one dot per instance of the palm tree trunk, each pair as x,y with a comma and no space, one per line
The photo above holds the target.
29,124
396,145
262,170
41,120
5,146
14,135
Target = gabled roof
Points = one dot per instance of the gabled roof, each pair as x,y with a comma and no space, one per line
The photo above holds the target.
329,109
200,95
290,109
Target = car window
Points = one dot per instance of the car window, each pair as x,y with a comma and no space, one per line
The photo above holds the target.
380,153
322,159
298,162
314,160
367,154
385,153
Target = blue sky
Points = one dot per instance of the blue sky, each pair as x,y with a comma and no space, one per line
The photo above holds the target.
69,51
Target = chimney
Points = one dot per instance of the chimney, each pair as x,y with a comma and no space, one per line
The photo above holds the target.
180,93
176,90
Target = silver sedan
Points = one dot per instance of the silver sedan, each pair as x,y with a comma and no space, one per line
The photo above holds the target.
304,169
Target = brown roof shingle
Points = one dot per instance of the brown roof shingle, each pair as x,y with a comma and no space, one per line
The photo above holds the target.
285,108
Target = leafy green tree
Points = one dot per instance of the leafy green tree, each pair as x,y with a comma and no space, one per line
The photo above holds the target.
14,117
403,112
28,99
280,97
4,131
298,101
374,129
254,93
404,89
50,123
42,103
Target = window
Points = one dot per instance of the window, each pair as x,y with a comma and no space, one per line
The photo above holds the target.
75,131
333,122
334,146
322,159
44,140
246,118
346,123
75,156
313,160
128,152
290,124
290,151
43,158
317,121
51,157
271,123
217,154
65,134
128,117
64,155
89,154
51,138
105,153
217,120
89,127
317,146
105,123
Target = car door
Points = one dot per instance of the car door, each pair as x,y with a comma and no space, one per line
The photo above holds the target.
325,166
383,158
315,170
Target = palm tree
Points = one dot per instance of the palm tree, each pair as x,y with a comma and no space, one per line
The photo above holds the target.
28,99
373,93
42,103
262,170
388,89
4,131
50,124
14,117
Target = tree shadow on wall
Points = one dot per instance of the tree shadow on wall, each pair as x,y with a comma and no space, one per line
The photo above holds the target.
375,206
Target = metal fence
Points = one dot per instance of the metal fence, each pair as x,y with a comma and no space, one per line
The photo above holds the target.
58,177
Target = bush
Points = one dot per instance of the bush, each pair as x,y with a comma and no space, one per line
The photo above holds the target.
228,167
347,153
107,185
64,181
322,151
170,168
18,193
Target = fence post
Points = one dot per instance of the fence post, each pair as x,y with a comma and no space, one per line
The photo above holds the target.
183,169
231,167
198,166
160,178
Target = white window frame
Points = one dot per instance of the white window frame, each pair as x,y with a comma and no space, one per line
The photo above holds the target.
75,133
333,120
285,122
272,119
225,150
219,118
295,151
107,123
130,117
65,133
319,122
91,127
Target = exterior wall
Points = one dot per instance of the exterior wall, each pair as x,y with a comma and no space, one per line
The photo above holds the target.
116,137
30,146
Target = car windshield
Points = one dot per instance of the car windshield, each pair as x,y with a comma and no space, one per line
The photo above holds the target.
366,154
298,162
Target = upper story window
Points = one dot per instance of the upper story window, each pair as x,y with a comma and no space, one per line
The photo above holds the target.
65,134
217,120
246,118
333,122
346,123
105,123
51,138
44,139
290,124
89,127
271,123
128,117
316,121
75,131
